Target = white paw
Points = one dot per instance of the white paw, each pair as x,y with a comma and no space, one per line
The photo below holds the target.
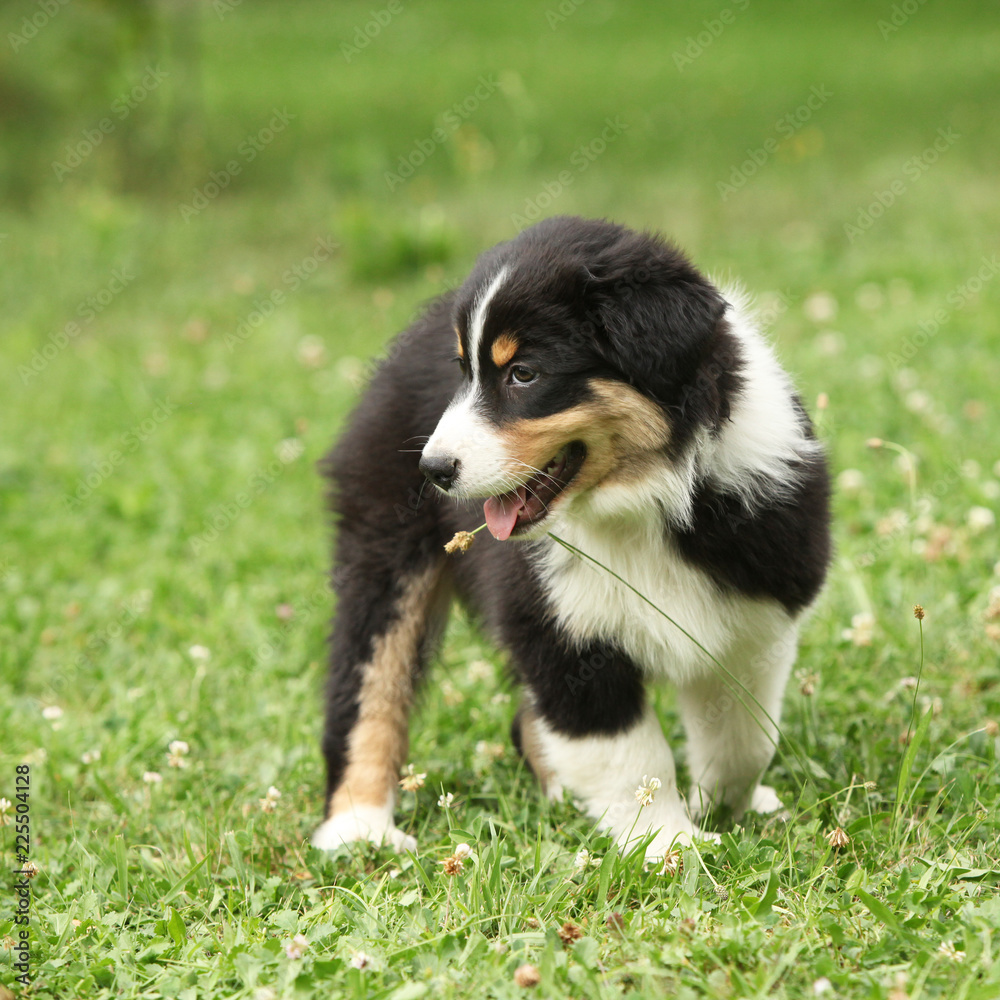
666,841
554,791
764,800
365,824
672,831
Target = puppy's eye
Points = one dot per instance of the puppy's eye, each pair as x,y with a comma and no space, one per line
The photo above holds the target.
520,375
460,361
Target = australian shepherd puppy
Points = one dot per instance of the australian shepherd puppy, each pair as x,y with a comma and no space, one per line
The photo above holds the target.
591,396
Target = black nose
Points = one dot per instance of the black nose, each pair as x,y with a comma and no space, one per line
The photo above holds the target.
439,470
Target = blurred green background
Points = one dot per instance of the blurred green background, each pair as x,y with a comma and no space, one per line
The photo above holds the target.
214,214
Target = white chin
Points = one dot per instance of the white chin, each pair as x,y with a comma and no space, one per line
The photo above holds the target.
537,530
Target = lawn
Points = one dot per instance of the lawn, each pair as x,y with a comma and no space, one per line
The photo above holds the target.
215,216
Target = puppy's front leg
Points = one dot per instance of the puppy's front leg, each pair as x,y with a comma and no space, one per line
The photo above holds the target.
381,639
606,772
731,721
585,726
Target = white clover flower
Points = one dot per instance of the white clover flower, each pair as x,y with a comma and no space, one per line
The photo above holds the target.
360,960
5,805
412,779
851,482
646,792
178,751
480,670
52,712
494,751
993,607
452,696
270,800
896,520
197,652
296,948
948,950
980,519
820,307
445,800
152,777
289,450
90,756
311,351
861,630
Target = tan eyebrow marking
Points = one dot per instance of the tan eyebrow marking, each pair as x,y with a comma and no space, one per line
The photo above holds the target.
504,348
458,337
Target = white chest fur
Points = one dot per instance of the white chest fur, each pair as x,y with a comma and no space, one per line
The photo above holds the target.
591,604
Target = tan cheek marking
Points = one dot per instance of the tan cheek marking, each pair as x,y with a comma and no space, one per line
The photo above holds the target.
459,348
379,741
504,348
622,429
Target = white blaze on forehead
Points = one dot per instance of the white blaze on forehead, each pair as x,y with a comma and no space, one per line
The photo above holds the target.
479,318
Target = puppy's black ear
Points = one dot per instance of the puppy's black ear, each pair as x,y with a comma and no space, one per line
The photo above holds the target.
660,325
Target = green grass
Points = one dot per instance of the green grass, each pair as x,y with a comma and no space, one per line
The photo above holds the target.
202,523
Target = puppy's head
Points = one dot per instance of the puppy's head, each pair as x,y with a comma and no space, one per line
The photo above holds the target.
590,353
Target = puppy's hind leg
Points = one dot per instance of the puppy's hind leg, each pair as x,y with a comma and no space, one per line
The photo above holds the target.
387,624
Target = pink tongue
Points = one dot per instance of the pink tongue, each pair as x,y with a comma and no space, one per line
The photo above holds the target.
501,513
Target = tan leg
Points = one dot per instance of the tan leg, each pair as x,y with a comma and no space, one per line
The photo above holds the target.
361,806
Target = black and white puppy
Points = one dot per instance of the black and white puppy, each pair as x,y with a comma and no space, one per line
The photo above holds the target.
587,381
